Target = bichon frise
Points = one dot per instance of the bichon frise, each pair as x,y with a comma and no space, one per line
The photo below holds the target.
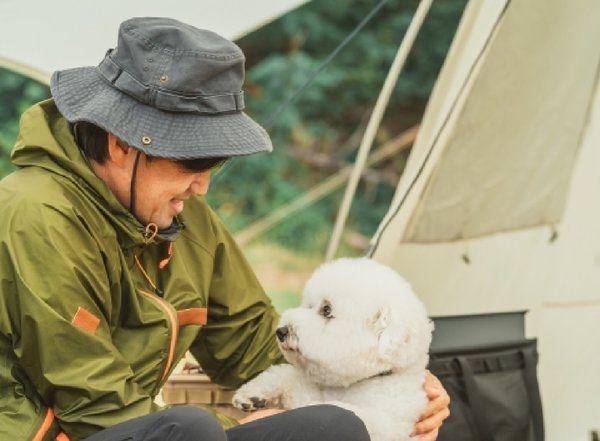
359,340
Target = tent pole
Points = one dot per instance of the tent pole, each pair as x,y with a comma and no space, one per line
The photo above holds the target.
390,148
374,122
27,71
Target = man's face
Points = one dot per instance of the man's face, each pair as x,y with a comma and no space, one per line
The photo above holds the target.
161,188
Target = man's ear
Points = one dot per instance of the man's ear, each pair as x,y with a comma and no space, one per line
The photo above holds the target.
118,151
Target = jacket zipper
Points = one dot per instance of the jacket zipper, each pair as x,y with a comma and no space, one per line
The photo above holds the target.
174,328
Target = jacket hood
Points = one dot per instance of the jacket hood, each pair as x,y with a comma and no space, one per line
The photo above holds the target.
46,140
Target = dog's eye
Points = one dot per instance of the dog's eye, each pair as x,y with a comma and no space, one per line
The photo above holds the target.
326,311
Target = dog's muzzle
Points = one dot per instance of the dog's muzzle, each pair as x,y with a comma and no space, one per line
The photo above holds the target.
282,333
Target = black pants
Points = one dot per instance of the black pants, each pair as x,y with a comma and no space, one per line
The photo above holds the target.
186,423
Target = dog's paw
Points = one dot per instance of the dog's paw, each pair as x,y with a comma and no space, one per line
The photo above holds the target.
244,402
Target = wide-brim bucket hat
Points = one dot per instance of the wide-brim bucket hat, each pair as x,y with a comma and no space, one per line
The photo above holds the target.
168,89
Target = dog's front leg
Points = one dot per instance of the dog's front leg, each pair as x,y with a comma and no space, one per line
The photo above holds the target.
272,388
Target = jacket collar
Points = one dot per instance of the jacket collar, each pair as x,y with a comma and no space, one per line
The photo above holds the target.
46,140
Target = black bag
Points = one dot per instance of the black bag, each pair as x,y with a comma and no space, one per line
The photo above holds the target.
493,390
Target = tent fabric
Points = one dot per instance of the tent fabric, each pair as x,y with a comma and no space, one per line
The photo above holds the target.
472,36
503,126
67,35
553,271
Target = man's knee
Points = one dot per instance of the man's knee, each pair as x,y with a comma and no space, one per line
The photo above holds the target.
319,422
339,423
186,423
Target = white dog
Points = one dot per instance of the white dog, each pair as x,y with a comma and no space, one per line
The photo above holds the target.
359,340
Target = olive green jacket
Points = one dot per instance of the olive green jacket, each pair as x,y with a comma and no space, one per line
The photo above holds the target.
85,340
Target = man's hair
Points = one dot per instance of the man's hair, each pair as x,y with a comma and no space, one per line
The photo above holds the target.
93,142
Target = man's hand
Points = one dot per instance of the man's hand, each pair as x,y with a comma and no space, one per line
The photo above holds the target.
258,414
435,413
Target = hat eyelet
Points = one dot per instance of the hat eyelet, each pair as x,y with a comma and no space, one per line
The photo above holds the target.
146,140
164,78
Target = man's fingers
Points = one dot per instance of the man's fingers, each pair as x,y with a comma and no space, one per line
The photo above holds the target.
433,392
436,405
436,411
431,423
431,436
258,414
433,386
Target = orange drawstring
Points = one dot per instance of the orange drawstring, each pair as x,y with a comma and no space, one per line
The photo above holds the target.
166,261
139,265
151,231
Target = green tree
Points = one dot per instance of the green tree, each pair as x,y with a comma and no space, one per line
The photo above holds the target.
280,57
323,122
17,93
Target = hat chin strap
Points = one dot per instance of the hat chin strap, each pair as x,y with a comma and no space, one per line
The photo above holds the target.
132,186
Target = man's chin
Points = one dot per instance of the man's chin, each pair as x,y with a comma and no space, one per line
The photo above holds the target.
162,224
165,225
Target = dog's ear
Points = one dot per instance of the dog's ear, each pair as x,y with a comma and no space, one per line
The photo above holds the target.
401,340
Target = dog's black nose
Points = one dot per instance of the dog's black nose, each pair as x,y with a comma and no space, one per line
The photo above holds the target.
282,333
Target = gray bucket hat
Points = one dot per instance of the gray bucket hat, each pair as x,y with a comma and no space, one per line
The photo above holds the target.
168,89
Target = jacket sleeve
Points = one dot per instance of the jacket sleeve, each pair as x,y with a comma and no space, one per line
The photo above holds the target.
238,341
58,305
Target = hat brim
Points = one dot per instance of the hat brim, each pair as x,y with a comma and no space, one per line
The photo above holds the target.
82,94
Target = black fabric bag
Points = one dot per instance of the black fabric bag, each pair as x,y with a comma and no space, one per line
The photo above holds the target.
493,390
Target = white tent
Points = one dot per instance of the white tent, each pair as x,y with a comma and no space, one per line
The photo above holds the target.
496,209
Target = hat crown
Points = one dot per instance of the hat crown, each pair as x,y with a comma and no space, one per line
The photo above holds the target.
167,89
173,66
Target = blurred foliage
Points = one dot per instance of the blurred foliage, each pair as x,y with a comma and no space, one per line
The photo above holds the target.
324,121
17,93
280,58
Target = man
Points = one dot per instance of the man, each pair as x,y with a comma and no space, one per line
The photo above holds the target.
112,266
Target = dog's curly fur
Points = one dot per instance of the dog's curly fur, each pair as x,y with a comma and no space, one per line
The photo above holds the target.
359,340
